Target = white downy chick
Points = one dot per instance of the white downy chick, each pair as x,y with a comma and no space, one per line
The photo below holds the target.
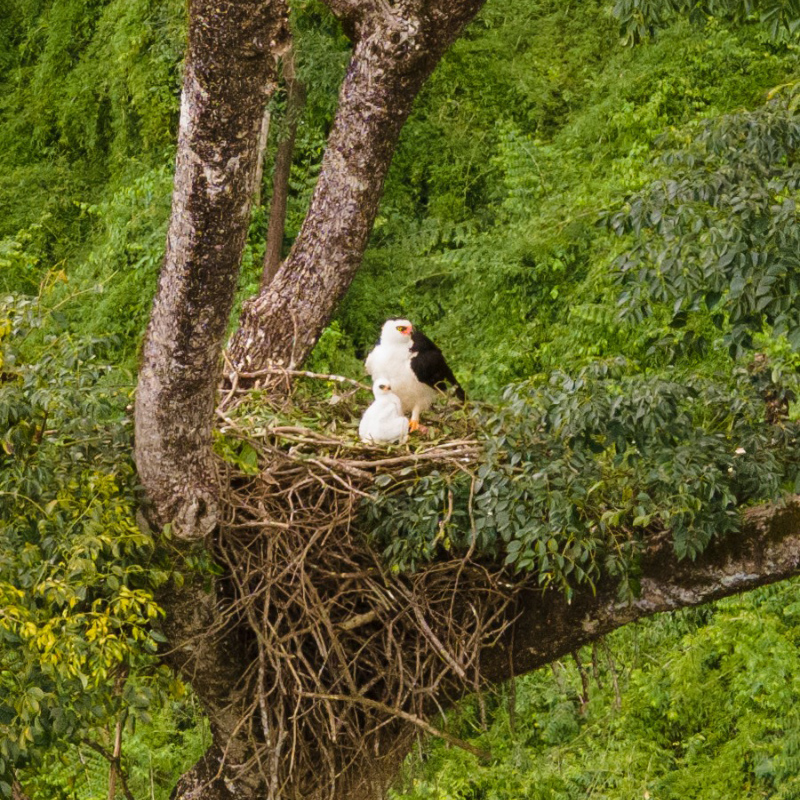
383,422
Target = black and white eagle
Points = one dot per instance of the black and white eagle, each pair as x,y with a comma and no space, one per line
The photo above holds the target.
413,365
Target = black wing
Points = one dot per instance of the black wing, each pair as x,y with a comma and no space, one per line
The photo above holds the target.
428,364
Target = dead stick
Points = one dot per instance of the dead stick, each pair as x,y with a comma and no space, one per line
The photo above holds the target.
412,718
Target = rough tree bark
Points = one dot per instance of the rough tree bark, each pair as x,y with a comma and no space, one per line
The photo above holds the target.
229,69
767,550
396,47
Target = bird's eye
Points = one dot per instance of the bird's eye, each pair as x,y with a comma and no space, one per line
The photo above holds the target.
401,328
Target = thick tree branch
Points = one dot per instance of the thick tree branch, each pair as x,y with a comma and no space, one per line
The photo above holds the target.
766,551
548,627
396,48
229,71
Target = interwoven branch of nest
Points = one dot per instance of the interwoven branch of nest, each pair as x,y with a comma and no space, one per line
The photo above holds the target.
346,653
329,448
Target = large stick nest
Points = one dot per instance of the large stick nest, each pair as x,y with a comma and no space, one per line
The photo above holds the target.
348,657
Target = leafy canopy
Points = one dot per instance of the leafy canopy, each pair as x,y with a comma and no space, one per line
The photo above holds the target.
720,233
77,574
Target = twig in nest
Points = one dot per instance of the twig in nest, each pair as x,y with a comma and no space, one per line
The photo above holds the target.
412,718
358,620
301,373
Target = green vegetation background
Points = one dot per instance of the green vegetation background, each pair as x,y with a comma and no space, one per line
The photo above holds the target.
496,237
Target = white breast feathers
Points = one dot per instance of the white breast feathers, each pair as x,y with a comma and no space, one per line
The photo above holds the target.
394,361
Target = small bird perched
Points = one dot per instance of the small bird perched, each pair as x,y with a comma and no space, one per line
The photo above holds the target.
383,421
413,365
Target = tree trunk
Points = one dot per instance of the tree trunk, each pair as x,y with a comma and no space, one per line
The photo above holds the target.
397,47
229,72
229,69
296,101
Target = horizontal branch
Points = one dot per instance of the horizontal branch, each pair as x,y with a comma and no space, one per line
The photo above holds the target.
548,626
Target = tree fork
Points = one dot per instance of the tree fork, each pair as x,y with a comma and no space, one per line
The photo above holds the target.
229,73
397,47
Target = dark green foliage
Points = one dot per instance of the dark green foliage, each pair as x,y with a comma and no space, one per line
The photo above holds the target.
92,80
720,233
120,271
579,470
88,116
